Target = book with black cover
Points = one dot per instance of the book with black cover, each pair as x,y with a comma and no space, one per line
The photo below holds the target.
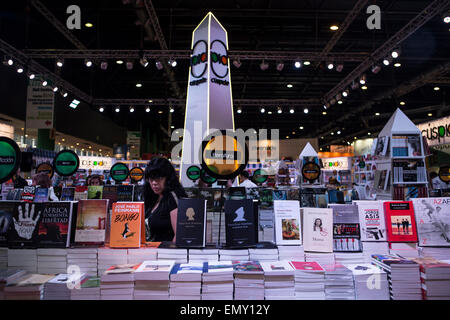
307,198
125,193
28,194
191,192
293,194
67,194
14,194
208,195
138,194
6,220
24,232
55,225
237,193
110,193
266,198
240,221
191,223
346,228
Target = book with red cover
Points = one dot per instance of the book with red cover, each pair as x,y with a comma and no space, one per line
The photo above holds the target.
306,266
400,221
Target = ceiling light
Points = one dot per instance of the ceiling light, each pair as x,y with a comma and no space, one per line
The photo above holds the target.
279,110
60,63
129,65
119,61
368,133
150,101
430,114
131,109
88,25
158,65
237,63
144,62
306,63
291,110
138,85
19,70
171,109
289,85
262,110
325,106
44,83
101,109
376,68
147,109
339,132
397,65
330,66
386,62
340,102
104,65
345,93
287,137
364,87
395,54
64,94
339,67
31,76
117,109
172,63
264,65
297,64
332,133
74,104
377,113
362,80
160,111
301,127
334,27
88,63
172,127
55,89
10,62
436,88
305,110
324,113
269,112
280,66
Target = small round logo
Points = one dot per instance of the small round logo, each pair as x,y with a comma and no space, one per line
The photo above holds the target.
119,172
66,163
136,174
193,173
10,157
260,176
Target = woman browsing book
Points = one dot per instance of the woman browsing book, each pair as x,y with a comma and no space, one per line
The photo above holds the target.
161,193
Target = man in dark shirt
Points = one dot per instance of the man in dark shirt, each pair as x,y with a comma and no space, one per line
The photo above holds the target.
18,181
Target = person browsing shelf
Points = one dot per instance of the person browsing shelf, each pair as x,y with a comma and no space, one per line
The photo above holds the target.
162,190
43,180
245,181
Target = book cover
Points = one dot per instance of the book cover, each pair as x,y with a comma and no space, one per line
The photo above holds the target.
110,193
127,225
24,232
318,229
371,219
208,195
81,193
191,223
138,194
192,192
287,222
293,194
346,229
414,148
91,221
253,193
125,193
400,221
41,195
433,221
240,221
266,198
68,194
307,198
7,209
95,192
55,225
219,199
247,267
306,266
58,191
28,194
279,195
237,193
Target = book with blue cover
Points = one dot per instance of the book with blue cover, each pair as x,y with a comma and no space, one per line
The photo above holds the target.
41,195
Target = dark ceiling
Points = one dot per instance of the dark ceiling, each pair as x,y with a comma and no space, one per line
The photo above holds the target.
252,26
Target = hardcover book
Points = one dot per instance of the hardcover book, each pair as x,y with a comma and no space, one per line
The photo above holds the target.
240,221
125,193
318,229
91,221
41,195
371,218
7,209
346,229
55,225
191,223
400,221
24,231
127,225
288,229
110,193
95,192
68,194
81,193
28,194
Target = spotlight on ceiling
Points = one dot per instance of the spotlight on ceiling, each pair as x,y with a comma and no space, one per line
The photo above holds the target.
239,110
446,17
289,85
171,110
305,110
143,61
280,65
339,67
19,69
237,63
362,80
8,62
387,61
376,68
55,89
129,65
88,63
279,110
64,94
264,65
345,93
291,110
262,110
119,61
298,64
147,109
330,66
159,65
172,63
101,109
104,65
60,62
395,53
44,83
117,109
307,63
131,109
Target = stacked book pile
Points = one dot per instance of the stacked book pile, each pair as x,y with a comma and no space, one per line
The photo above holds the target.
435,278
151,280
200,255
265,253
295,253
186,281
279,282
214,216
140,255
172,253
108,257
59,287
248,280
27,287
3,258
439,253
349,257
370,248
25,259
233,254
89,289
218,281
403,276
320,258
371,282
8,276
51,261
117,283
408,250
84,258
339,284
309,280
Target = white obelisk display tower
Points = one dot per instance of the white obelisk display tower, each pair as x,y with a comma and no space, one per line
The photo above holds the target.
209,102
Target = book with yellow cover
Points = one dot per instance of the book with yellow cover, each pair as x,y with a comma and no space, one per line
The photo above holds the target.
127,225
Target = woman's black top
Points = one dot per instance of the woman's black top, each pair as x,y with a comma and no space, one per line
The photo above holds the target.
160,227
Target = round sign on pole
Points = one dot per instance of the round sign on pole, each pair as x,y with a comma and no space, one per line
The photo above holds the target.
10,157
206,178
119,172
260,176
66,163
223,155
46,168
444,174
311,171
136,174
193,173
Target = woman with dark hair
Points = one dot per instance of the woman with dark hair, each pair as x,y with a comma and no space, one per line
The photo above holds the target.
162,190
43,180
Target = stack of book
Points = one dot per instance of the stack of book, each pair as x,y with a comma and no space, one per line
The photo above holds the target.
59,287
371,282
263,254
170,252
89,289
370,248
52,261
248,280
407,250
25,259
140,255
186,281
151,280
108,257
403,276
439,253
435,277
84,258
200,255
320,258
279,282
8,276
117,283
294,253
339,284
3,258
217,281
349,257
309,280
27,287
233,254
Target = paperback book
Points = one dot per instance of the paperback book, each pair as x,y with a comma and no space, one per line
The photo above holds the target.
68,194
7,210
400,221
29,193
55,224
24,230
91,221
287,222
241,222
95,192
41,195
125,193
371,218
191,223
127,225
318,229
346,229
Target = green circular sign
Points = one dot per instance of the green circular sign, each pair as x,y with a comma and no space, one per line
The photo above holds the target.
260,176
10,157
206,178
119,172
66,163
193,173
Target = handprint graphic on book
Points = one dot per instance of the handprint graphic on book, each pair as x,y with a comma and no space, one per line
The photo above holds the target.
26,224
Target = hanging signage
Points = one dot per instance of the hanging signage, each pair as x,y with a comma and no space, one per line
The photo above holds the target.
311,171
260,176
10,157
66,163
46,168
119,172
339,163
193,173
95,163
136,174
206,178
40,105
437,132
